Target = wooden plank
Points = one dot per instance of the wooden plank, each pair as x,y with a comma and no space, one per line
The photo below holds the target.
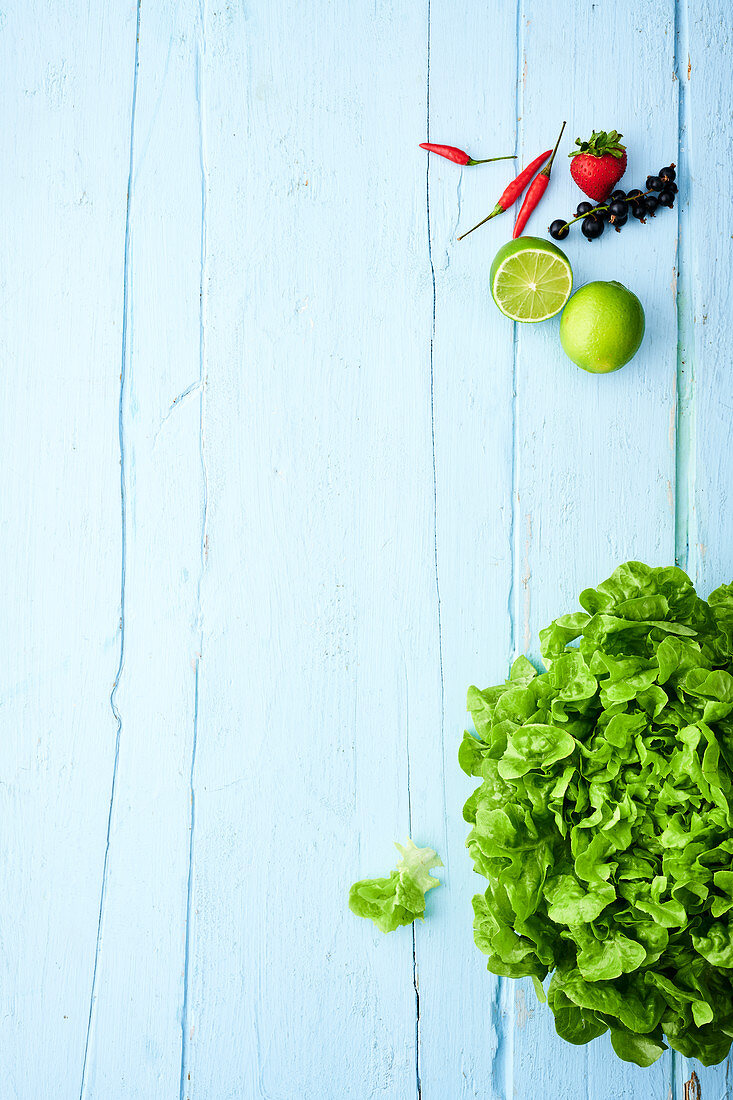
303,480
67,78
595,455
320,654
465,1038
705,301
707,121
136,1036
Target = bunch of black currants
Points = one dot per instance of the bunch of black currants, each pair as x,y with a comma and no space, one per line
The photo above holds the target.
660,191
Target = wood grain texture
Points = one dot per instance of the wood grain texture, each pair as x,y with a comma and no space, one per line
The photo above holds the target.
705,301
143,944
595,458
320,653
66,90
253,385
707,295
465,1051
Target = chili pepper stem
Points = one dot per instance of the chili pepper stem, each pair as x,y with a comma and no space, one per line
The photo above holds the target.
490,160
513,189
548,167
535,191
498,209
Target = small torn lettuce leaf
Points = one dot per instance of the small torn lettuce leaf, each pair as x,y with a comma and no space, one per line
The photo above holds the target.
400,898
603,817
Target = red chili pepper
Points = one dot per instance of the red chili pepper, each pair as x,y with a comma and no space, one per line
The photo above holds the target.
535,192
457,155
513,191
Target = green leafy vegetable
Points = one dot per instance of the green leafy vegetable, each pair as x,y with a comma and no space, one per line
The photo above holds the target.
604,817
399,899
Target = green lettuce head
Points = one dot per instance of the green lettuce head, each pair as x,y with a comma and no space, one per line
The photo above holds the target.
603,821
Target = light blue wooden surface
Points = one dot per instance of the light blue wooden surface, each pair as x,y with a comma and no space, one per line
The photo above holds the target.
279,482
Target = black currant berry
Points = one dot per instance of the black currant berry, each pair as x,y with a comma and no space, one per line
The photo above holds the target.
668,174
617,196
617,209
592,227
653,183
666,197
638,210
635,194
671,186
651,202
583,208
618,222
559,230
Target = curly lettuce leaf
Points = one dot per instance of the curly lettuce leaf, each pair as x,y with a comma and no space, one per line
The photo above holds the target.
603,817
400,898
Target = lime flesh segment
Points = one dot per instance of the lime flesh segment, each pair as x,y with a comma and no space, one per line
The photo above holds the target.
532,284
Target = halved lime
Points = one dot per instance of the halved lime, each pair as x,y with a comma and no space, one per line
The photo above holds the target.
531,279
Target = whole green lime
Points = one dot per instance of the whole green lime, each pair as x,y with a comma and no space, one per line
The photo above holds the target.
602,327
531,279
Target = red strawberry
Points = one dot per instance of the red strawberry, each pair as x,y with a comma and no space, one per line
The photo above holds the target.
598,164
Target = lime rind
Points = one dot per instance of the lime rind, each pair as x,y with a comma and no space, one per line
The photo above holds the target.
532,285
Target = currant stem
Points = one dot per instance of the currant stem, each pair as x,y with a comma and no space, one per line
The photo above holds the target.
598,209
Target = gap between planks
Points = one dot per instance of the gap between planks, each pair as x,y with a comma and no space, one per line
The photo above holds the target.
200,384
684,440
123,554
